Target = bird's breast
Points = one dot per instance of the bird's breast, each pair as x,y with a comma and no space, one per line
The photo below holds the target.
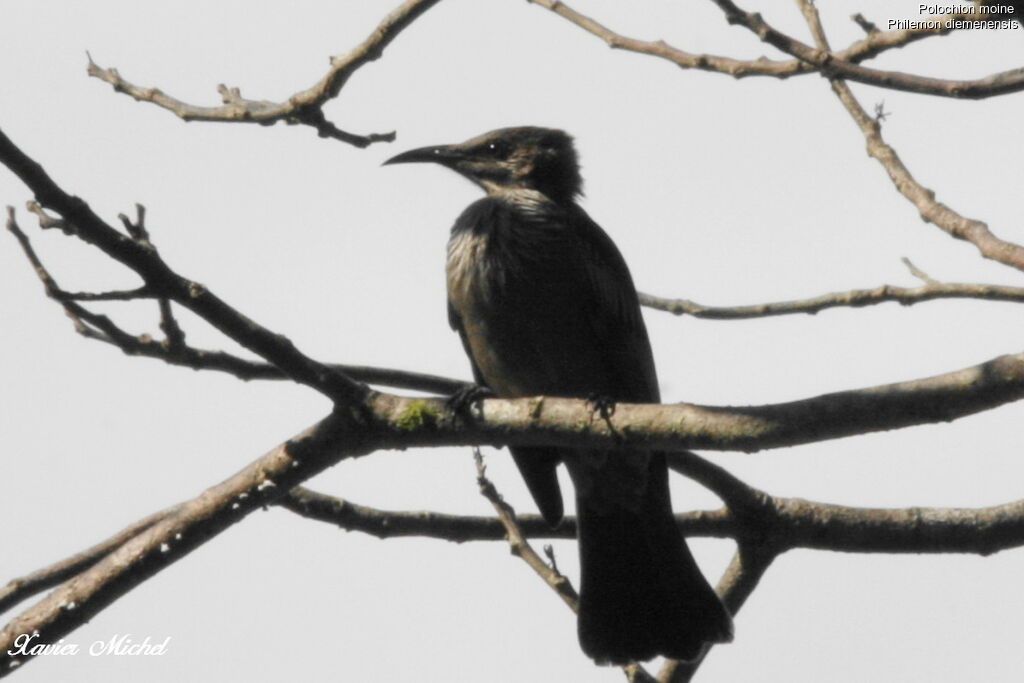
508,258
518,288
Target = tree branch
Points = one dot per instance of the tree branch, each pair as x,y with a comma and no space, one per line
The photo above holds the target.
522,549
305,106
399,524
932,211
855,298
518,544
21,588
174,351
790,523
141,256
569,422
769,524
871,46
184,529
833,66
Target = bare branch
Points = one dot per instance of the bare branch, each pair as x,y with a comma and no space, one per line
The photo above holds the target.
21,588
778,523
137,228
550,421
568,422
868,27
932,211
142,257
856,298
565,422
190,525
174,336
101,328
396,524
786,523
834,66
872,46
520,547
304,107
117,295
813,20
917,272
737,495
463,528
395,423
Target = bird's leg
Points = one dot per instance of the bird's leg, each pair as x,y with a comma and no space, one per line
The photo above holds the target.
462,400
602,404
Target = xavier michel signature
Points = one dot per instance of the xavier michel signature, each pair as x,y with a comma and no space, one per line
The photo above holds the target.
26,645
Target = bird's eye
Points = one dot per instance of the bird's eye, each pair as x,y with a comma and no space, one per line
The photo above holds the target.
497,149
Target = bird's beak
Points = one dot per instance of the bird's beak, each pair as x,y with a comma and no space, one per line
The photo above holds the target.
445,155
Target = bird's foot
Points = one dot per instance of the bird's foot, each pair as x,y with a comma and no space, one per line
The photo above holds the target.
462,400
602,404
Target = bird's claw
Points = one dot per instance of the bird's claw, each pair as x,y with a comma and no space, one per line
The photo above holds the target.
462,400
602,404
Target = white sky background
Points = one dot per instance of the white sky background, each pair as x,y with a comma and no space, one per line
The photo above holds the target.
717,190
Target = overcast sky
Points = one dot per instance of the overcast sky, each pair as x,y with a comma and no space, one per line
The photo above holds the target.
718,190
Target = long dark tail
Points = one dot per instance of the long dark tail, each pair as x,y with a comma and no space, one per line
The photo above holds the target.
641,593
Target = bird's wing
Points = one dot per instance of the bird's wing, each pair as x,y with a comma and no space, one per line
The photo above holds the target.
536,464
612,310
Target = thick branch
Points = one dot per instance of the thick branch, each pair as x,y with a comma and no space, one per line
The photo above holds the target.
192,524
565,422
23,587
303,107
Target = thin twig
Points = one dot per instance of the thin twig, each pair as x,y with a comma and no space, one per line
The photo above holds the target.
518,544
855,298
522,549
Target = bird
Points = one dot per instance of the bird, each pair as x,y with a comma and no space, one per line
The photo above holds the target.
545,306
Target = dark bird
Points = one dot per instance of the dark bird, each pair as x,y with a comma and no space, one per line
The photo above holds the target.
545,305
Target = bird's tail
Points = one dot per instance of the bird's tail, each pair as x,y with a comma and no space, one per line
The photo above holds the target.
641,593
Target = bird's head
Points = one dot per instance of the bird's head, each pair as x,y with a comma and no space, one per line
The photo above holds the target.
509,159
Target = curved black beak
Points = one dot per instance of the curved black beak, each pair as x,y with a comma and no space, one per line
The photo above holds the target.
443,154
